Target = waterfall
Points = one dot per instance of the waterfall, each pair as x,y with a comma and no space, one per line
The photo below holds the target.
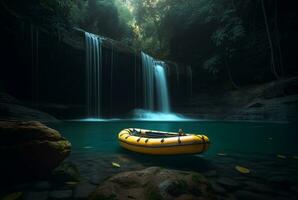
148,83
111,76
177,76
190,80
94,74
154,76
162,88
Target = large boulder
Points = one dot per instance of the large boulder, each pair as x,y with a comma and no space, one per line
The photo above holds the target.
29,150
154,183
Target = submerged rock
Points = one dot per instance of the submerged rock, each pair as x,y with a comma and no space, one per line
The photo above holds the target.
155,183
29,150
83,190
66,172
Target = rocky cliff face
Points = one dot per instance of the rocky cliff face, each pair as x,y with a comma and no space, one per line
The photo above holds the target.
12,109
275,101
46,68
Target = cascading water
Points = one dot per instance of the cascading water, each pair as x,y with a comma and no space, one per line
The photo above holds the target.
177,75
190,80
155,82
148,64
154,76
94,74
162,88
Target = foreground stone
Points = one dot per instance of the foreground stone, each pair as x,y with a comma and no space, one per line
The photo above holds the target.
29,150
154,183
66,172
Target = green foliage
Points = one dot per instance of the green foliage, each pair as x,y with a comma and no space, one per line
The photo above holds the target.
212,64
109,18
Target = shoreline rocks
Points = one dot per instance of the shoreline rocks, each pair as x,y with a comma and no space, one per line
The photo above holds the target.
12,109
155,183
29,150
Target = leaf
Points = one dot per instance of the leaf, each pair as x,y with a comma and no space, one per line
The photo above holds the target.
71,183
13,196
281,156
242,170
115,165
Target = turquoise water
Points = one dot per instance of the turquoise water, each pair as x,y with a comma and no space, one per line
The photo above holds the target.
268,150
226,137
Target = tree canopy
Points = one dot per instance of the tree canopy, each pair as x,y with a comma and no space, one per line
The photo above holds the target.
219,37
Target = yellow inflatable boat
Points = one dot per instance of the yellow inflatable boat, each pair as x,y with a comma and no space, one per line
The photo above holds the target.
162,143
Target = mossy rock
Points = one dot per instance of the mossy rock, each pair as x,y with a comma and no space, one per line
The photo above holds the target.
29,150
154,183
67,171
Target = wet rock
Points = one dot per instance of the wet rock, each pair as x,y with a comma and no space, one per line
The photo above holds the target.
29,150
37,195
166,187
96,179
246,195
60,194
228,183
155,183
83,190
67,171
6,98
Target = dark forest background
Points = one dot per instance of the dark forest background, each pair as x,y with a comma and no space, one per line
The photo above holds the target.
236,42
